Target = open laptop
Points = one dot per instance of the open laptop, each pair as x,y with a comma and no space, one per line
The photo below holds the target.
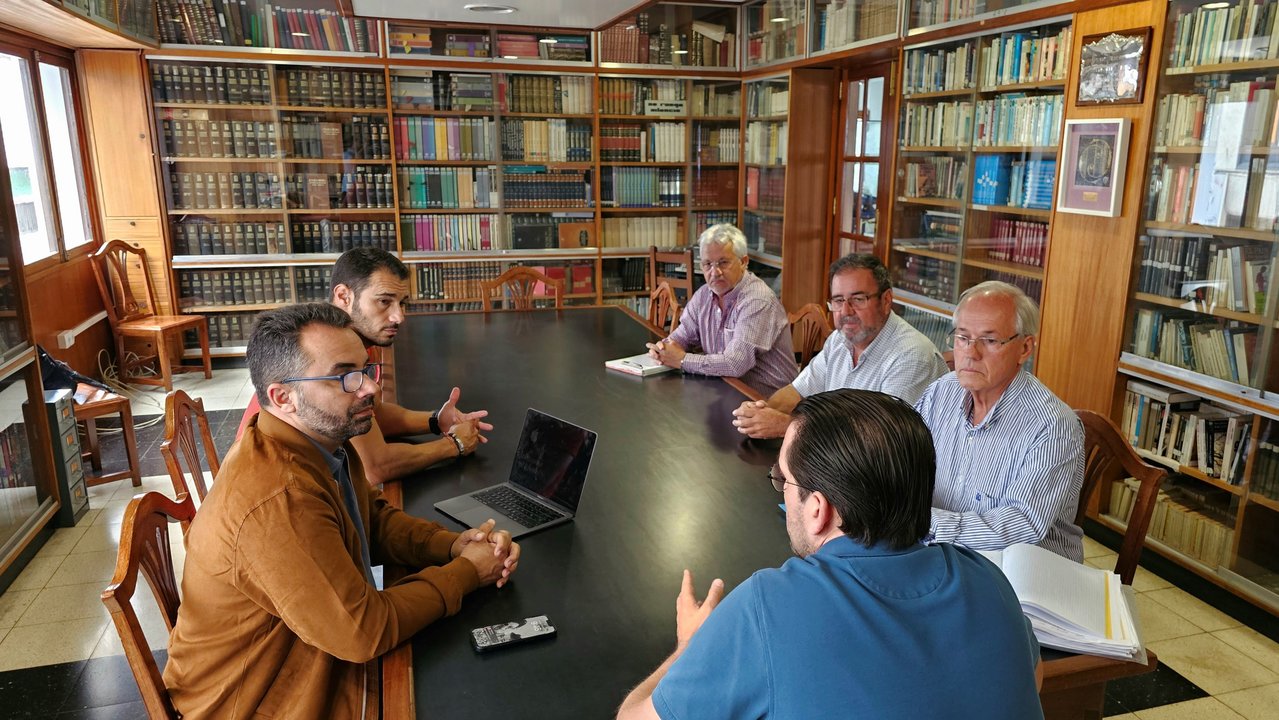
547,476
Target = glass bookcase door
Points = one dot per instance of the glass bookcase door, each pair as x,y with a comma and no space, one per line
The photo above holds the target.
776,30
138,18
716,154
301,25
767,137
673,34
845,23
922,15
859,188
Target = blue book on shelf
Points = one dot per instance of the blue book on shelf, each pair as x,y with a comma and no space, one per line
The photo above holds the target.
991,177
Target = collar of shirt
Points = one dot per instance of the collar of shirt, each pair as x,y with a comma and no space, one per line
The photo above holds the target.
1014,388
335,461
886,337
845,546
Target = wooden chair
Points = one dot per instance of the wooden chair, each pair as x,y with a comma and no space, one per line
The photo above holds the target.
663,266
101,404
949,357
516,285
125,284
1107,458
182,415
663,308
809,328
144,545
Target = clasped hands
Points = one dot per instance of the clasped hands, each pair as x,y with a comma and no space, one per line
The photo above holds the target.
754,418
465,426
667,352
493,553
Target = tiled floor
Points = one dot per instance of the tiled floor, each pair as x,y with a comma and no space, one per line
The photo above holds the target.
60,656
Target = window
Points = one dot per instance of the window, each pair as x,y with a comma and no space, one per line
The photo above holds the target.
42,143
859,181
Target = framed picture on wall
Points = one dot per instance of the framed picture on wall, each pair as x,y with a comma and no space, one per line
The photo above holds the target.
1094,153
1112,67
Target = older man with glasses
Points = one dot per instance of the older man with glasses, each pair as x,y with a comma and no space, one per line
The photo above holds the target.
871,349
1010,458
734,325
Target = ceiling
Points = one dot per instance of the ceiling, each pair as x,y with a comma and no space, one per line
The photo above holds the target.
528,13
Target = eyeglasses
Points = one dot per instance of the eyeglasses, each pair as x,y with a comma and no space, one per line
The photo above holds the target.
856,300
779,480
351,381
959,341
720,265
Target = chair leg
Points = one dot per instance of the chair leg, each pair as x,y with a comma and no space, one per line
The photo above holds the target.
131,444
162,359
91,435
203,332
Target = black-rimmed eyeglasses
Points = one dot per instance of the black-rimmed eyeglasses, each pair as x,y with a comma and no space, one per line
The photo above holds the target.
351,381
779,480
857,301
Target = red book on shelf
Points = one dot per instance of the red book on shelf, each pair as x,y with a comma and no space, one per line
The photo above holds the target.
318,41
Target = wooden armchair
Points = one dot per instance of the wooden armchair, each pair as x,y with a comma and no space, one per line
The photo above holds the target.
127,294
144,545
663,266
516,287
1107,458
809,328
182,416
663,308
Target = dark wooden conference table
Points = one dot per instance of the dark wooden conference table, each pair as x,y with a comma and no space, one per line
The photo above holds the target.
672,485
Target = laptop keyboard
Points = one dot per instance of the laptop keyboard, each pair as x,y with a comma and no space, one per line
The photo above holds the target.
516,506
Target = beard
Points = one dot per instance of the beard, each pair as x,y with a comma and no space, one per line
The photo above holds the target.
367,328
333,426
798,543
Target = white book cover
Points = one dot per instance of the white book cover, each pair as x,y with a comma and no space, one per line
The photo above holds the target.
642,365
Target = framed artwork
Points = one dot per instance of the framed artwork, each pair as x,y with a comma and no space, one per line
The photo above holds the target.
1094,153
1112,67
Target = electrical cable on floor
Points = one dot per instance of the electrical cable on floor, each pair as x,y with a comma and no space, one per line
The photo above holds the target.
107,370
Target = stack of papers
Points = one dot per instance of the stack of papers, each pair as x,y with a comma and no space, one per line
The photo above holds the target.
637,365
1071,607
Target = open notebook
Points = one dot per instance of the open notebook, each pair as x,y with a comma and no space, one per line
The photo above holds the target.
637,365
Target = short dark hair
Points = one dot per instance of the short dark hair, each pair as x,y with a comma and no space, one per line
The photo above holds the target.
356,266
275,344
861,261
872,457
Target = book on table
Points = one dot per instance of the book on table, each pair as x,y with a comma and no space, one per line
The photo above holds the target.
641,364
1071,606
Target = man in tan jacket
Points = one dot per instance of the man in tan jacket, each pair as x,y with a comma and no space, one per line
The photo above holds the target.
279,615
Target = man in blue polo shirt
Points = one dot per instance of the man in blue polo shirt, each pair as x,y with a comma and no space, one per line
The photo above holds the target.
866,621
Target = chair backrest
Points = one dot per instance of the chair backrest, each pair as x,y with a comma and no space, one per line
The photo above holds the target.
664,266
949,357
518,285
809,328
663,308
124,281
182,416
1108,458
144,545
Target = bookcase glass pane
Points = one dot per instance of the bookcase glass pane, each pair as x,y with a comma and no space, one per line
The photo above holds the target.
776,30
412,40
839,23
307,25
674,34
767,130
925,13
138,18
21,492
102,11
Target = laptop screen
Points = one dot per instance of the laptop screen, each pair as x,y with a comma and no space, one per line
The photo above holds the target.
552,458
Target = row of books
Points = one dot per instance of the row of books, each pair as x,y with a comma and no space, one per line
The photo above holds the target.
451,138
926,276
625,275
537,186
16,469
934,12
765,189
315,87
534,231
1182,118
1204,194
1179,521
452,188
1211,34
641,187
470,92
767,100
227,329
219,138
1024,57
366,188
936,177
933,70
717,144
1178,427
303,29
408,41
1018,119
766,143
939,231
355,137
714,188
934,327
706,218
1265,469
709,100
642,232
1193,342
173,82
545,94
651,142
770,40
1031,183
1023,242
632,40
202,237
225,190
313,283
449,281
939,124
837,24
551,140
1033,287
467,44
623,96
224,288
1231,275
763,232
449,233
338,236
567,48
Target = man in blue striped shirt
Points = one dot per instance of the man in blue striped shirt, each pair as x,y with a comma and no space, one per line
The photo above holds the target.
1010,460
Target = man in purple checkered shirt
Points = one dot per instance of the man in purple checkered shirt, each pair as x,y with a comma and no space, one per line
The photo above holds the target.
735,325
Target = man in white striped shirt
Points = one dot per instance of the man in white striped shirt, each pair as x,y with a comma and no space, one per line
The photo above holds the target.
871,349
1010,461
